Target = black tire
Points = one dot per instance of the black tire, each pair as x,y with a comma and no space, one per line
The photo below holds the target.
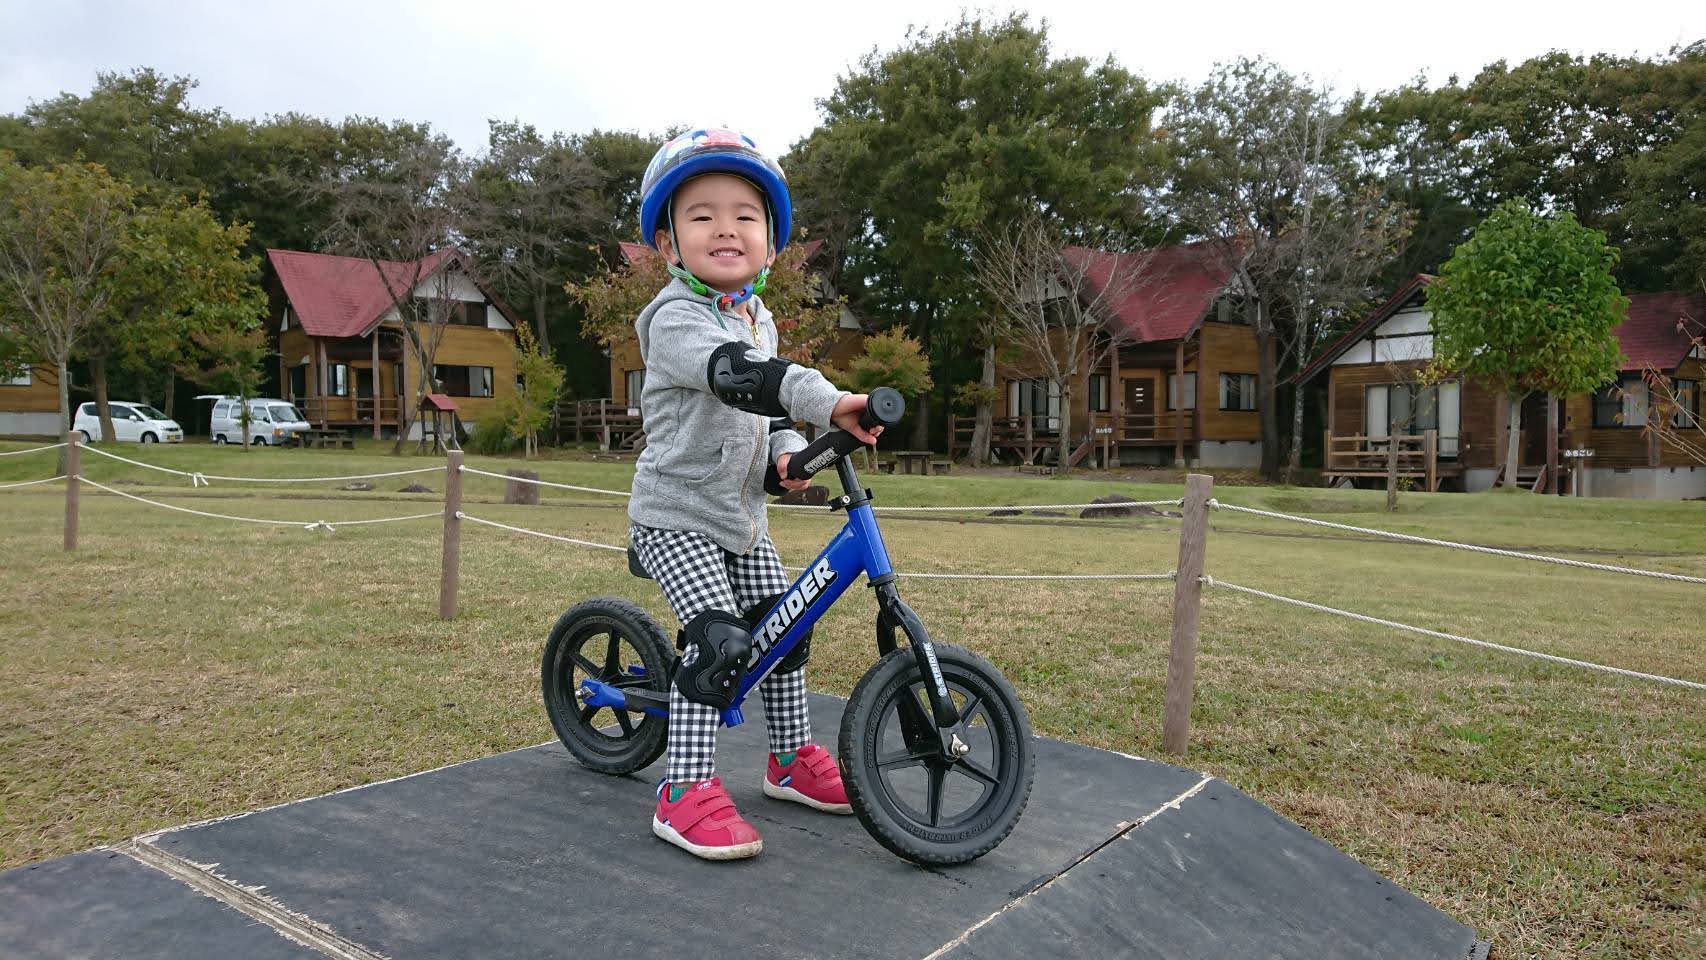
150,438
219,439
605,739
85,435
874,734
257,441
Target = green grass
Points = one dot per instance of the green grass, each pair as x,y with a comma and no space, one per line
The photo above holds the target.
175,668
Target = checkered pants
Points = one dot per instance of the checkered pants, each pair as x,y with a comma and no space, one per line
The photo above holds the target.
697,575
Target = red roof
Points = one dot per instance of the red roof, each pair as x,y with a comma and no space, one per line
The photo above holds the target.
345,296
1656,332
635,251
439,401
1157,294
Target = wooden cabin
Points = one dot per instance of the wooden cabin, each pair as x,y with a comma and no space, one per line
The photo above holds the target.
343,360
29,403
1374,399
1178,380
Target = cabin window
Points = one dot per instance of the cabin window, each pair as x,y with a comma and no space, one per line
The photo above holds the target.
1237,391
397,378
1173,392
459,381
634,384
337,380
1038,398
21,380
1687,412
474,314
1099,393
1409,409
299,381
1621,404
1233,310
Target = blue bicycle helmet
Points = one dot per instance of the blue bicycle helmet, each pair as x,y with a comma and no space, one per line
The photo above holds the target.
713,150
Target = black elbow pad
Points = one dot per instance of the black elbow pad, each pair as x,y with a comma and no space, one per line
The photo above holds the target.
743,379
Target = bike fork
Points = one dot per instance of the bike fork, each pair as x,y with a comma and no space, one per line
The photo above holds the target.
947,733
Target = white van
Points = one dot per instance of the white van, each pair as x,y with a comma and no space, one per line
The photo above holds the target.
270,421
132,423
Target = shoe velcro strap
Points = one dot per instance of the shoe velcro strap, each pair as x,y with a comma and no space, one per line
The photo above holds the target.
700,809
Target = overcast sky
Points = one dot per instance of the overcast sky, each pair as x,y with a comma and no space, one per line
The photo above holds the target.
757,65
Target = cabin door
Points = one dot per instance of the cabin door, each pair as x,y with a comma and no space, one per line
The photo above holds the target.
1140,408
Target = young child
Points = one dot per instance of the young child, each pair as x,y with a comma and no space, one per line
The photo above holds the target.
718,407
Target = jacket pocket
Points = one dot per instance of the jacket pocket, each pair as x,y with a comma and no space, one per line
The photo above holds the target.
722,484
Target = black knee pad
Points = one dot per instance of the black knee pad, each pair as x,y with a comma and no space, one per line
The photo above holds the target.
796,657
724,644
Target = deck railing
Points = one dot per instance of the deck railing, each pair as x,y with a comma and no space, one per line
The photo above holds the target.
1027,438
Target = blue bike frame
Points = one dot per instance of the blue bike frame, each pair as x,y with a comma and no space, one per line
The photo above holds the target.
857,549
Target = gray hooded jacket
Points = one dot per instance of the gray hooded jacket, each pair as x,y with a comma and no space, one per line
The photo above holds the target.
703,466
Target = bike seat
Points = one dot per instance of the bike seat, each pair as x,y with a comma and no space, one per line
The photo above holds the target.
635,567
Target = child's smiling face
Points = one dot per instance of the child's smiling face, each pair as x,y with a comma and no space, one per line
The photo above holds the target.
722,229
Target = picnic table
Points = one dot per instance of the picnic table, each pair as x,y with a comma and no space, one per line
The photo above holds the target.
913,458
317,438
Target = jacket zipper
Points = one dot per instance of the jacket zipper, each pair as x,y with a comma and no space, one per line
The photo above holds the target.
757,454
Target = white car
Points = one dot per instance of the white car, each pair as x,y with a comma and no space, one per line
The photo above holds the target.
132,423
270,421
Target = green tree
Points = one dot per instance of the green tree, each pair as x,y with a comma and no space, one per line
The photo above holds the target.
891,359
63,230
181,272
539,380
139,125
955,131
533,214
1528,304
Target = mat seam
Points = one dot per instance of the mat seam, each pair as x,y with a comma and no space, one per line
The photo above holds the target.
293,926
1124,830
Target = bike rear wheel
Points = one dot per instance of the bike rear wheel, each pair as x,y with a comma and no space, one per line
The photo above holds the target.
614,641
916,803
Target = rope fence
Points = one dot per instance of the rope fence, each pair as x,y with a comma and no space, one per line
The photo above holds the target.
19,453
1429,541
1188,577
1393,624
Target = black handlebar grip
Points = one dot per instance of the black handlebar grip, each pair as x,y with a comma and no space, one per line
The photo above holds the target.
883,408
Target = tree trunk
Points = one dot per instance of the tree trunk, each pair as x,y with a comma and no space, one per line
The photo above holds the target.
1294,460
64,414
1391,471
979,454
1266,374
1513,429
1065,427
171,391
243,418
921,426
539,318
98,371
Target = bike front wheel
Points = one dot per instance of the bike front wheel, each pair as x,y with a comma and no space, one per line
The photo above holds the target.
918,804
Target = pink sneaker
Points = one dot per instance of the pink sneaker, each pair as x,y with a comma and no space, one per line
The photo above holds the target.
812,779
705,823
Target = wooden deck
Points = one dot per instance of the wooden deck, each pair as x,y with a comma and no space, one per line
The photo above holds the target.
603,421
1411,456
348,412
1023,441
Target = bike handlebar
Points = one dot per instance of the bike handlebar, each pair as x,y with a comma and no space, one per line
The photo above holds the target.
883,408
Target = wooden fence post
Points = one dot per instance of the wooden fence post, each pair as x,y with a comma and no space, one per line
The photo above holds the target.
73,466
1187,604
1430,453
452,558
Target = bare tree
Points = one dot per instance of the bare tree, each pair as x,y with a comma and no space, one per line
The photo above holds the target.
402,216
1323,263
1049,300
1674,411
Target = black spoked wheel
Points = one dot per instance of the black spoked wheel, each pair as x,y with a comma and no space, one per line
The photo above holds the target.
613,641
914,802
